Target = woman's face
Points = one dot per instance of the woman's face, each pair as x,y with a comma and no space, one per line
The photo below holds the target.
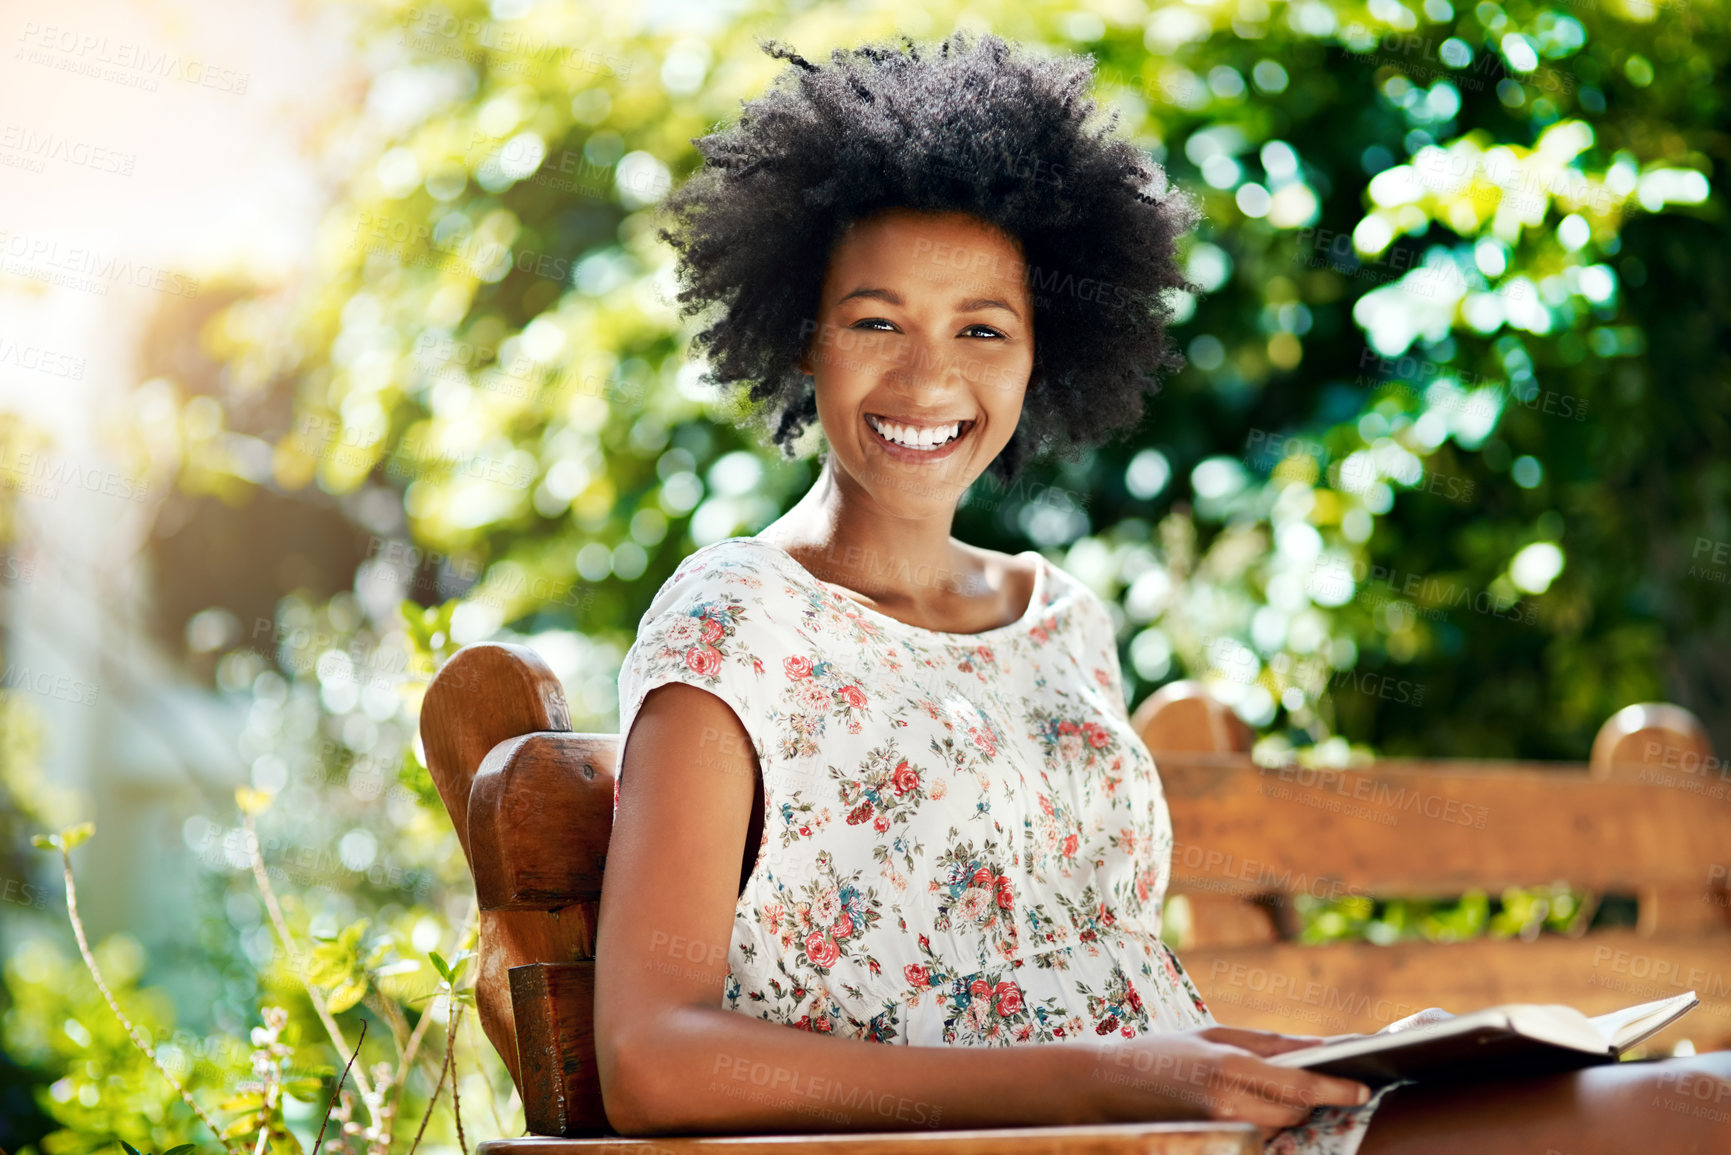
924,329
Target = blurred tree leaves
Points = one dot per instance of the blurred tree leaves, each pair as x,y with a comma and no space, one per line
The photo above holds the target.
1419,361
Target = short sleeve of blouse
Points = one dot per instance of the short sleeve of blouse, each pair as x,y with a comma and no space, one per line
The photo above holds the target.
711,626
1100,650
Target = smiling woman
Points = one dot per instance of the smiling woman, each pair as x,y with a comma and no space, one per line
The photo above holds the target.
910,801
1085,228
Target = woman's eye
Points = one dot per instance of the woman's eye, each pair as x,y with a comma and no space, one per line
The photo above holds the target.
985,329
888,326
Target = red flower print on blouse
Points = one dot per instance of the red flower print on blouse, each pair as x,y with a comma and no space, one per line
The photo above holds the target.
703,660
905,777
843,925
1097,736
1069,846
881,823
712,630
860,813
796,667
980,989
917,975
1006,897
984,741
821,950
1009,997
854,695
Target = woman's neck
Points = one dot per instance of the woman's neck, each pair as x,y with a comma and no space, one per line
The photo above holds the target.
912,567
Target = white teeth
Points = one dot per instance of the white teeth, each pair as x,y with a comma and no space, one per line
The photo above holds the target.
928,438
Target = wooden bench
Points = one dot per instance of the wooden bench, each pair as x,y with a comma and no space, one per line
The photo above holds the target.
1648,818
532,804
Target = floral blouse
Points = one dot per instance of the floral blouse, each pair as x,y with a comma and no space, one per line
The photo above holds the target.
964,840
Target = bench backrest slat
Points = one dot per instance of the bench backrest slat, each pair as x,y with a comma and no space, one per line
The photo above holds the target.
1417,828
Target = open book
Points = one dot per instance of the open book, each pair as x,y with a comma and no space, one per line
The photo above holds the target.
1514,1041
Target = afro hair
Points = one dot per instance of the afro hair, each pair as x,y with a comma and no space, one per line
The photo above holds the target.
974,126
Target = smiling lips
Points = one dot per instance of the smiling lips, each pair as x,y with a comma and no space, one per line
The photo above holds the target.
918,441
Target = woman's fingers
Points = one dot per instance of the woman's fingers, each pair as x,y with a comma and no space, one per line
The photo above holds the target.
1422,1018
1260,1042
1290,1090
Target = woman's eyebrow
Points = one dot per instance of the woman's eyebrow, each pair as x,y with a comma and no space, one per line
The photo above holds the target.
890,296
972,303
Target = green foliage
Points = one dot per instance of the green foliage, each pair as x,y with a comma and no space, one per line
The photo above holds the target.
1517,913
183,1149
106,1089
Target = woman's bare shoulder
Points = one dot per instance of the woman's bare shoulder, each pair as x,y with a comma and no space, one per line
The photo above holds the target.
1012,573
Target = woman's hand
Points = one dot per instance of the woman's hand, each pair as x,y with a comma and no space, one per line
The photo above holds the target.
1423,1018
1219,1073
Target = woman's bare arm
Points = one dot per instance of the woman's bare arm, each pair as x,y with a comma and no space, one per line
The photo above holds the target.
672,1061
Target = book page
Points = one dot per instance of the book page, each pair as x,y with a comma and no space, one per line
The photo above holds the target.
1623,1029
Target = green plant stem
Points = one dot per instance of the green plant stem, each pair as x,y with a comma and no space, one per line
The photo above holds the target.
452,1021
126,1023
288,943
420,1030
337,1091
437,1087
